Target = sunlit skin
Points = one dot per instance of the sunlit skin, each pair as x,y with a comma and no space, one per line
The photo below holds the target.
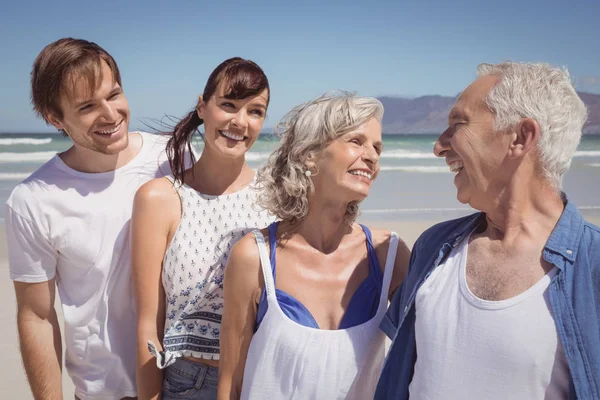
221,169
481,152
321,260
243,117
358,150
498,173
222,166
97,122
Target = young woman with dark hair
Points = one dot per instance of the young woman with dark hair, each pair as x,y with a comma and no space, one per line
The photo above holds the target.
183,228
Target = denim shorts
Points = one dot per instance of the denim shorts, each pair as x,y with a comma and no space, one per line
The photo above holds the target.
187,379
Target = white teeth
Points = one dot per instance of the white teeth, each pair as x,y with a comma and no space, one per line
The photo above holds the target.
111,131
362,173
456,166
232,136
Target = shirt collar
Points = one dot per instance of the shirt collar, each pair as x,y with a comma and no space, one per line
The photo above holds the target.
565,236
563,240
466,228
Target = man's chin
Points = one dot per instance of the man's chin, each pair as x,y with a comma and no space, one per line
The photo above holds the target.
116,147
462,198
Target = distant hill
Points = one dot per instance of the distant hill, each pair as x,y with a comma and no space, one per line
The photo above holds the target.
429,114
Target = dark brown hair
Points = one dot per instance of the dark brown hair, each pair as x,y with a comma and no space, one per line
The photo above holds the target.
59,66
243,78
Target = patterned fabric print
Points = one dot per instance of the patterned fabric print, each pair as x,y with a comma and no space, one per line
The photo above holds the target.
194,265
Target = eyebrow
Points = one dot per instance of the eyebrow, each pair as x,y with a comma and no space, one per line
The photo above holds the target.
362,133
82,103
87,101
455,114
261,105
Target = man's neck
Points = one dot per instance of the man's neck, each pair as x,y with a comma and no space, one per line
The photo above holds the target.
89,161
524,213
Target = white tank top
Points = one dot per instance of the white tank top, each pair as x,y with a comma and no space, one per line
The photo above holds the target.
469,348
287,360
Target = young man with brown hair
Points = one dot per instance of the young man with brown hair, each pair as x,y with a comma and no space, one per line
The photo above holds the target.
68,227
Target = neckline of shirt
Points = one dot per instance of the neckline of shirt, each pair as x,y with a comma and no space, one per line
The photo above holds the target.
475,301
221,196
99,175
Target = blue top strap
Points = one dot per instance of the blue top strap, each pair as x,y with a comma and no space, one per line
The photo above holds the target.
362,306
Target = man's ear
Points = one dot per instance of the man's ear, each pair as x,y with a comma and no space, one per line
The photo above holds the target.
525,137
200,107
55,121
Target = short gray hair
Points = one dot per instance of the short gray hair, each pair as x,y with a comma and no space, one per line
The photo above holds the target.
305,131
545,93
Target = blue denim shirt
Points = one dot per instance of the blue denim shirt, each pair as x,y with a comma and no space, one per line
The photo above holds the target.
573,246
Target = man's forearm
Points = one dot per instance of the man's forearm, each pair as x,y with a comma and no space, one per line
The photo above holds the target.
41,350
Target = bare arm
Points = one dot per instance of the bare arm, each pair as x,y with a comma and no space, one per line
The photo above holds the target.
39,337
156,206
381,239
400,267
242,290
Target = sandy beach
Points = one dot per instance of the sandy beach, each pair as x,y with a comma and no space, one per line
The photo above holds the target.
13,382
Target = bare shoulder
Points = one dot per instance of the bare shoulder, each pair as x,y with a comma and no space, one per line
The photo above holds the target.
243,273
381,237
158,201
157,190
244,255
381,242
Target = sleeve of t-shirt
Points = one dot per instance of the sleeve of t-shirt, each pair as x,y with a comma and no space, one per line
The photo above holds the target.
31,257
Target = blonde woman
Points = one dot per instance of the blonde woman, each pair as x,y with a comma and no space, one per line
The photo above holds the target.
305,296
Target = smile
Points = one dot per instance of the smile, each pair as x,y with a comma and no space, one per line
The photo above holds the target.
232,136
359,172
456,166
109,131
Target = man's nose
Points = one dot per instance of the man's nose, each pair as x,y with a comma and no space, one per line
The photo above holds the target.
442,144
109,112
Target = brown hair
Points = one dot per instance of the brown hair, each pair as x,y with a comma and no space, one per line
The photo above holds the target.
243,78
66,60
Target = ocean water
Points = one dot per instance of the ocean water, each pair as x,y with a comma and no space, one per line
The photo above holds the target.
412,184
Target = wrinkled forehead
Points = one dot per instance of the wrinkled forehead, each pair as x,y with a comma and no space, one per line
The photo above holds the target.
473,98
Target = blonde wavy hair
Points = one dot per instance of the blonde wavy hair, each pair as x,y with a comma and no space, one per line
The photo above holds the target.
304,132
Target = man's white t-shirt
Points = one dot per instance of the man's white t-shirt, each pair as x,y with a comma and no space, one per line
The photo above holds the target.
74,227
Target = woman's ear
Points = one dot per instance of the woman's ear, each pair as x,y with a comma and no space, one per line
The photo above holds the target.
200,107
311,160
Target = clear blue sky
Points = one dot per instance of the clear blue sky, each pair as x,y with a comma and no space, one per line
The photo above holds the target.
167,49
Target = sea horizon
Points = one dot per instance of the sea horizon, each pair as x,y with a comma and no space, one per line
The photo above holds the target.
413,183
